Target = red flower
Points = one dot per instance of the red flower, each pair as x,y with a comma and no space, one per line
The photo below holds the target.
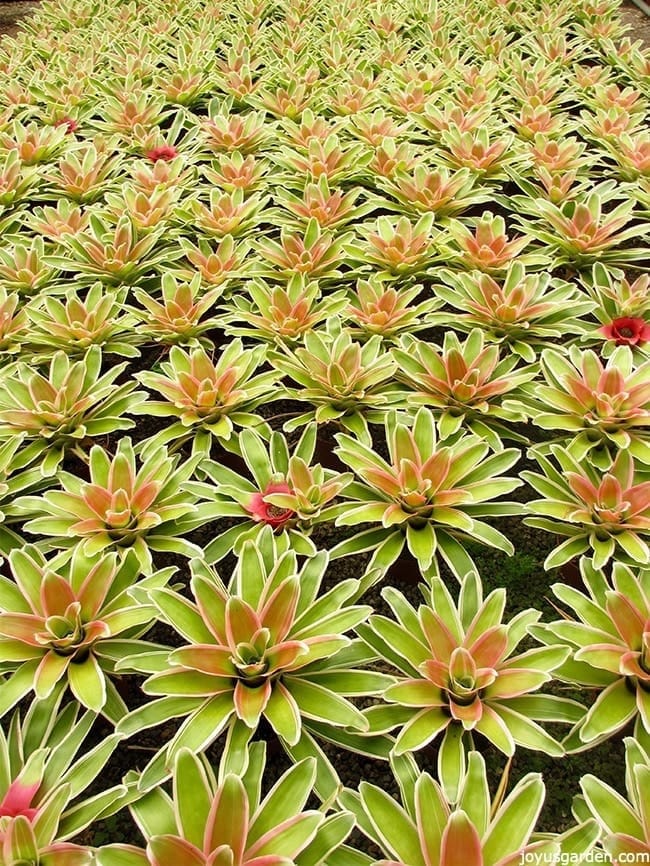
264,512
627,331
17,799
165,152
72,124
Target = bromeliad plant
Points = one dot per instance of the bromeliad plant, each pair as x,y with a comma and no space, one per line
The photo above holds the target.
624,823
210,398
224,820
347,383
602,408
622,308
61,412
523,311
448,823
608,630
73,324
429,494
281,313
608,513
272,644
379,307
461,677
581,233
181,316
287,492
40,763
67,624
466,383
121,507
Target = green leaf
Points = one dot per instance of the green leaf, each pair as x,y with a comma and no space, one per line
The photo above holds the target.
515,820
192,796
392,825
285,800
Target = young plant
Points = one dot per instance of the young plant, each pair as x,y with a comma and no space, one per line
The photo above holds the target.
68,624
465,382
451,822
209,398
607,628
398,248
75,323
122,507
288,492
224,819
267,645
181,316
602,408
113,255
521,310
608,513
428,494
461,675
281,313
488,248
310,252
437,191
344,381
583,233
65,409
387,310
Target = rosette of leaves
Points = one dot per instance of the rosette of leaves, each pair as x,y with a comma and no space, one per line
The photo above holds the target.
223,819
608,629
582,232
347,383
287,492
114,255
465,382
45,757
63,410
268,646
283,313
121,507
602,408
449,824
24,266
429,495
74,324
523,311
209,397
310,251
606,513
332,208
67,624
378,306
226,213
182,315
485,245
624,823
462,677
433,190
619,304
399,248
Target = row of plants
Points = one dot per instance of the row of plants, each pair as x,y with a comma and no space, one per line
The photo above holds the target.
293,297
